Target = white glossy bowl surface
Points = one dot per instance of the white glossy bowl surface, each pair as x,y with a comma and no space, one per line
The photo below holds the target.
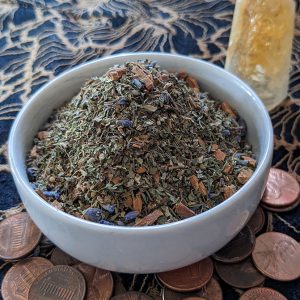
156,248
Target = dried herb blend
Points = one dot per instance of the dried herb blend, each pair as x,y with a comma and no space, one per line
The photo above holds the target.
140,146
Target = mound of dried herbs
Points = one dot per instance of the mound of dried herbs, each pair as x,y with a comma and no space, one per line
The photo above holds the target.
140,146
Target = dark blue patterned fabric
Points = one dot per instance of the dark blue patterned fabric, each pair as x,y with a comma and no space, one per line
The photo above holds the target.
42,38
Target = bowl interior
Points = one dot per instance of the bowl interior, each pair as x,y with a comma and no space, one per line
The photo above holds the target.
219,83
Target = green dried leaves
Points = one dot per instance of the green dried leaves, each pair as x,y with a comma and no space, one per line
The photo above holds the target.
144,141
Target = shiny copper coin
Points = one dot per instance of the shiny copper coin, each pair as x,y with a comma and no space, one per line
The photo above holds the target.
257,221
282,189
277,256
282,208
59,282
238,248
189,278
19,278
99,282
212,291
263,294
59,257
131,296
242,275
18,236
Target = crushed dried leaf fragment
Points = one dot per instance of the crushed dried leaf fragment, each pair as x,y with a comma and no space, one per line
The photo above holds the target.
229,191
42,135
194,182
138,202
251,161
227,169
201,142
116,73
149,219
141,74
141,170
192,83
244,175
156,178
198,185
183,211
219,155
202,189
227,108
116,180
128,201
33,152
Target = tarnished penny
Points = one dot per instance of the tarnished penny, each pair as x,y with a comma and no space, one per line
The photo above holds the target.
189,278
211,291
19,278
131,296
59,257
282,189
262,293
99,283
194,298
277,256
257,221
18,236
59,282
242,275
238,248
282,208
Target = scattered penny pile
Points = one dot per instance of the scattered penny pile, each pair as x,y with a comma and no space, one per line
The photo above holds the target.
42,271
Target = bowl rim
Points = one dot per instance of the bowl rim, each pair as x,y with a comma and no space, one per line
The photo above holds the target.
23,180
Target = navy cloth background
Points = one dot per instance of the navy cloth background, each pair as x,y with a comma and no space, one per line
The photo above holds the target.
41,38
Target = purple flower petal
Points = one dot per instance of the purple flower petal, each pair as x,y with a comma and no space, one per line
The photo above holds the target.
52,194
93,214
31,172
109,207
137,83
123,101
131,216
104,222
125,123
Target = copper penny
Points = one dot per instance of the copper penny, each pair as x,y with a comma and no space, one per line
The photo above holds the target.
194,298
59,282
212,291
19,278
242,275
257,221
18,236
131,296
99,283
282,189
171,295
282,208
238,248
262,293
277,256
59,257
189,278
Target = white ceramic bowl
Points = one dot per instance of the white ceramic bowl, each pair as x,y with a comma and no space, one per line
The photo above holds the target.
156,248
